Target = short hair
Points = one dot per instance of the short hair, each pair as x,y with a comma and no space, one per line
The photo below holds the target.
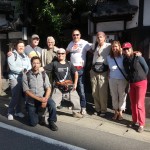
50,38
35,57
76,30
120,49
18,42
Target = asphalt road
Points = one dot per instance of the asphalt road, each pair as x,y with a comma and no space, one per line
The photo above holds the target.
41,138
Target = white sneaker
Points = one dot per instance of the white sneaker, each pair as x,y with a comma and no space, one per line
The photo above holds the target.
20,114
83,111
10,117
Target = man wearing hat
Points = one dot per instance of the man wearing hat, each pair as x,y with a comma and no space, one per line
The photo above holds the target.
62,74
33,49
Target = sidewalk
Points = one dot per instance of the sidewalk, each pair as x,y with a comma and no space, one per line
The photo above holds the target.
97,123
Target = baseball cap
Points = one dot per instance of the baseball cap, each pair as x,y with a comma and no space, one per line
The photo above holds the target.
34,36
126,45
61,50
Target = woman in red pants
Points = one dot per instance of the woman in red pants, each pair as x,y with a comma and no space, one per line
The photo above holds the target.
137,70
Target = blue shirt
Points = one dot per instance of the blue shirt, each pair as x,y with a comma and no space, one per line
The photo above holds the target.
114,70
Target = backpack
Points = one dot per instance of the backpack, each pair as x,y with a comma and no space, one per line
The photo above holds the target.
15,55
43,76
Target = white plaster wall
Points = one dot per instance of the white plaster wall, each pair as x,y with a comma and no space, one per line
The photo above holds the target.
146,14
110,26
134,22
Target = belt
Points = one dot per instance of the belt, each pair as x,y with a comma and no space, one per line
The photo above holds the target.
78,67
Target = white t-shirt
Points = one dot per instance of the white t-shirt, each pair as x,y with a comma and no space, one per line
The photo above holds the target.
78,52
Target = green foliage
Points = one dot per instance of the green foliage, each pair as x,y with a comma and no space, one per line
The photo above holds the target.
48,14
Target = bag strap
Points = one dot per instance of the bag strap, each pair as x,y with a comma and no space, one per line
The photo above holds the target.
120,69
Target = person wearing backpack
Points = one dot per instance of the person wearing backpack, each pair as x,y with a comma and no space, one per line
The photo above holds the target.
37,88
18,63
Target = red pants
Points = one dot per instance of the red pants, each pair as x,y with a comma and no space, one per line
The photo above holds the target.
137,98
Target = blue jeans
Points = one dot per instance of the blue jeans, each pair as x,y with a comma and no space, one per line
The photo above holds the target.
35,111
16,102
80,88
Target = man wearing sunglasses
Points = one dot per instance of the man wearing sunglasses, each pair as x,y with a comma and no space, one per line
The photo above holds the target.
62,74
78,49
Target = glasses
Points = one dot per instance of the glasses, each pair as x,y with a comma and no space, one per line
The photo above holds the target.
61,53
125,49
76,34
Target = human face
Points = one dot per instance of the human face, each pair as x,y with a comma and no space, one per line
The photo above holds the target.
101,38
115,48
36,65
76,36
50,44
20,48
127,51
35,42
61,56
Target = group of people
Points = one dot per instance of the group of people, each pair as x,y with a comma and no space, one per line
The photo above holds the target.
113,65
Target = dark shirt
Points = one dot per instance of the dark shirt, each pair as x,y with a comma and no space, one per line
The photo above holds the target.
136,68
60,71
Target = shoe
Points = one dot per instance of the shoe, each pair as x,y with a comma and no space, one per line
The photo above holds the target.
77,115
115,117
20,114
10,117
42,121
140,129
133,125
102,114
97,113
60,107
53,126
83,111
120,118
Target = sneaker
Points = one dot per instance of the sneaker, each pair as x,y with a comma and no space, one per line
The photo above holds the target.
140,129
10,117
77,115
20,114
133,125
83,111
53,126
60,107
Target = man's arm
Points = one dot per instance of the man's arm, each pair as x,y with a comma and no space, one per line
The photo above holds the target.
32,95
75,80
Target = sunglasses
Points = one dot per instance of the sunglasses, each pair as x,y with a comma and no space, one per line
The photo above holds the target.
60,53
76,34
125,49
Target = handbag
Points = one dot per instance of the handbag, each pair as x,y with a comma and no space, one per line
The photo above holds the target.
65,86
99,67
127,88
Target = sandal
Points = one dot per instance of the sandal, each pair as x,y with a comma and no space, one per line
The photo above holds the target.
120,118
115,117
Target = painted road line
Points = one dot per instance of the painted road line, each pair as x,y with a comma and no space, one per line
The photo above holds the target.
39,137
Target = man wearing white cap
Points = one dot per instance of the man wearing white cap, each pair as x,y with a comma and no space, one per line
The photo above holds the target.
33,49
62,71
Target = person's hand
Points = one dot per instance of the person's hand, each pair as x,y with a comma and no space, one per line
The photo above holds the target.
74,87
137,53
41,69
9,53
43,105
43,99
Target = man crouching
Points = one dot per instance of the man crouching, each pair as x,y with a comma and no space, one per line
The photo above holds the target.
37,88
